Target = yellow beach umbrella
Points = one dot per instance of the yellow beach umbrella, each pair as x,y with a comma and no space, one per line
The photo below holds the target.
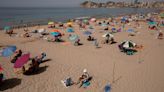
69,23
51,23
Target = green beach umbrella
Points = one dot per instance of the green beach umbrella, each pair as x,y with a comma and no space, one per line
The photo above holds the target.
85,21
6,28
50,23
152,23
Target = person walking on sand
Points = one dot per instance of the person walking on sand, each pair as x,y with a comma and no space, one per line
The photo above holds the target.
96,44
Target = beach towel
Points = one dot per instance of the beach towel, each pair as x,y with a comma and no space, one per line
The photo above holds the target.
86,84
65,43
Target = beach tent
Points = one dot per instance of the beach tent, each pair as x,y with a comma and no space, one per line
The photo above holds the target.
8,51
70,30
22,60
128,44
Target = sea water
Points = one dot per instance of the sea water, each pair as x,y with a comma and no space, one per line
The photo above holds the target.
17,16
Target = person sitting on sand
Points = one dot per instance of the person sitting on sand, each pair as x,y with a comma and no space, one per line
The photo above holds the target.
160,35
39,58
67,82
96,44
1,78
18,54
34,66
90,38
77,42
26,35
10,32
83,78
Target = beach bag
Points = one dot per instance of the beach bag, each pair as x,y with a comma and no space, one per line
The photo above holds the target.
107,88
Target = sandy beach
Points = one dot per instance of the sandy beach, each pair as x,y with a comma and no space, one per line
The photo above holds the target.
141,72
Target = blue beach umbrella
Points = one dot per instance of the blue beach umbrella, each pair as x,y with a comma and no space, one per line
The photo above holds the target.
55,33
8,51
87,33
70,30
113,29
13,48
73,37
130,30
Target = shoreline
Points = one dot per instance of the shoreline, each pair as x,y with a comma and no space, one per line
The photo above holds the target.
45,21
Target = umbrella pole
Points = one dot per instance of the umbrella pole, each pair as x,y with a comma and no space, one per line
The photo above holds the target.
113,80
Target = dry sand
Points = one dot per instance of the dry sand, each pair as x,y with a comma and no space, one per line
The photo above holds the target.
142,72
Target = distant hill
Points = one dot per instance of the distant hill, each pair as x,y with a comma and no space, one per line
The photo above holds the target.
111,4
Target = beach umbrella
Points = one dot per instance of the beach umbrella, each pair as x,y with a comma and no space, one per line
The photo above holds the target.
152,23
85,21
91,27
93,19
87,33
70,30
162,15
110,35
73,37
113,29
51,23
41,30
130,30
1,69
128,44
6,28
22,60
69,24
55,33
55,30
8,51
104,25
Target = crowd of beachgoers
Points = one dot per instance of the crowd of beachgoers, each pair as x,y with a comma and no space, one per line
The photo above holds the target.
73,33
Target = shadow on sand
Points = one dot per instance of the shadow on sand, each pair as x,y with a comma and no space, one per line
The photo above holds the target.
9,83
46,60
40,70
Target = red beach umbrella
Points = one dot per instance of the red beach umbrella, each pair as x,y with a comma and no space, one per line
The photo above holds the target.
22,60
